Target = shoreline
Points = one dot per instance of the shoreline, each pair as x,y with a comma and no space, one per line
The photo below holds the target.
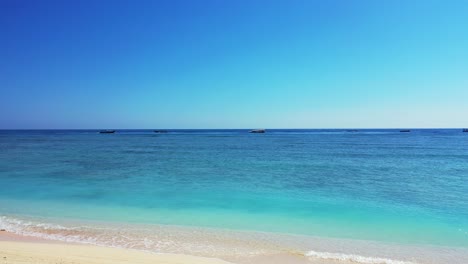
21,249
24,248
228,246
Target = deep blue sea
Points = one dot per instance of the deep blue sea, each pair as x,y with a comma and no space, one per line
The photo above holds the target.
366,185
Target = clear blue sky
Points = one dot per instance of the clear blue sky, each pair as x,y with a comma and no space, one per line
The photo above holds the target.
233,64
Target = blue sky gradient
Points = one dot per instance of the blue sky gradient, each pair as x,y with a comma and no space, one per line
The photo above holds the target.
233,64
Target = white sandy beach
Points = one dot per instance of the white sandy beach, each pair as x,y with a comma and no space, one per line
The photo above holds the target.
16,249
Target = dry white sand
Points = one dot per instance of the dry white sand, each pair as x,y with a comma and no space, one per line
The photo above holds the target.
16,249
21,250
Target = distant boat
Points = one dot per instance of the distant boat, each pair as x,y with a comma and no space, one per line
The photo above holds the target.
405,130
160,131
465,130
107,131
257,131
352,130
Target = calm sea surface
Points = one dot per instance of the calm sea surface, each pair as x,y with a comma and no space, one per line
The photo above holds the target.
370,185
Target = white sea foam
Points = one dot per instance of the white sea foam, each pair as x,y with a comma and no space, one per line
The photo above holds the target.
156,239
354,258
44,230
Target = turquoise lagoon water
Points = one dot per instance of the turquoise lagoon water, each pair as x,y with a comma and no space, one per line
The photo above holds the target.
370,185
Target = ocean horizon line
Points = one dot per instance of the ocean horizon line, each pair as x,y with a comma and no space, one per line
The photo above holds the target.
249,128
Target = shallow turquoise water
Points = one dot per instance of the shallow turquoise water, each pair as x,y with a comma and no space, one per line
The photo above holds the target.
373,184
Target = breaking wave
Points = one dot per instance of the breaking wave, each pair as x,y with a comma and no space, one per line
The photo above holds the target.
354,258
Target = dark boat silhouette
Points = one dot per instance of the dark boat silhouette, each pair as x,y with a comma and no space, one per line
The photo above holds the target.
352,130
107,131
465,130
160,131
405,130
257,131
